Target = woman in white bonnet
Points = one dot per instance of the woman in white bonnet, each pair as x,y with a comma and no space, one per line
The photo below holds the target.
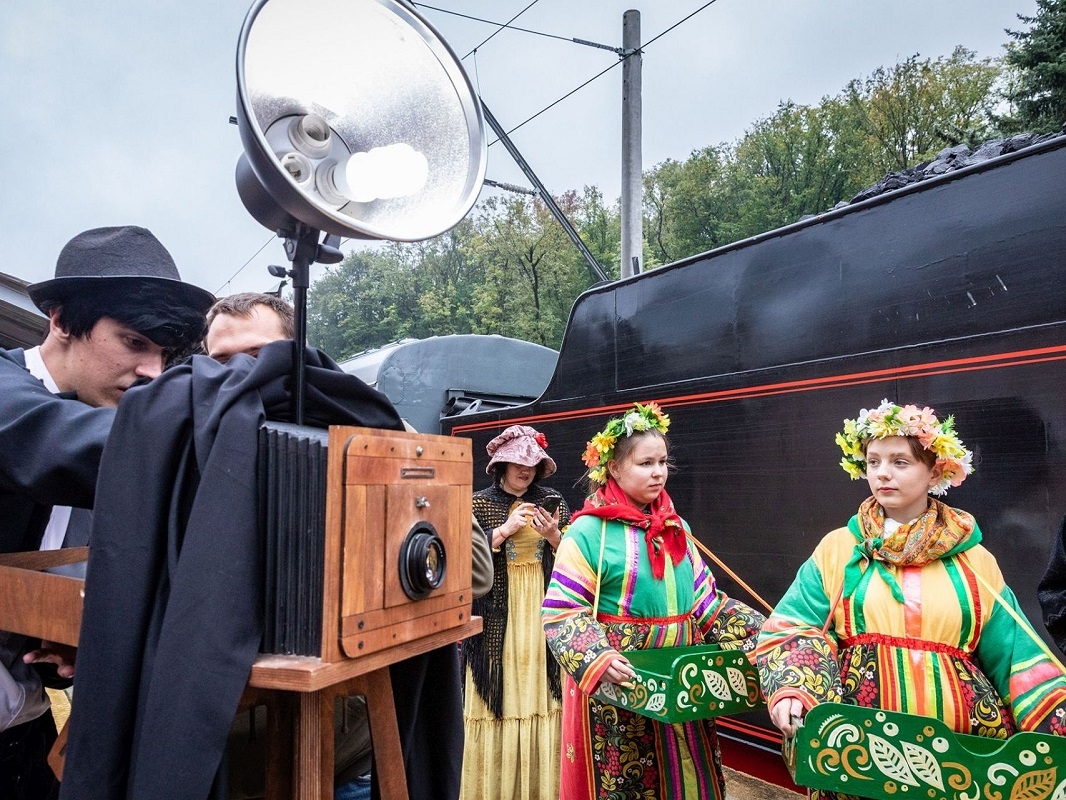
513,688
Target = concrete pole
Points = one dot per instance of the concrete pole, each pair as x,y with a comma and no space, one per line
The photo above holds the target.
632,201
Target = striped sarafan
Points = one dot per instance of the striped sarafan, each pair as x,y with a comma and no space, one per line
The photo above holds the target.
943,639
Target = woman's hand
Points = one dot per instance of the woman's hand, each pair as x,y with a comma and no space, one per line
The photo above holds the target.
786,714
547,525
619,671
517,520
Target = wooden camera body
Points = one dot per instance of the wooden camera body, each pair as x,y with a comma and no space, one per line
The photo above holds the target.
368,547
368,539
398,539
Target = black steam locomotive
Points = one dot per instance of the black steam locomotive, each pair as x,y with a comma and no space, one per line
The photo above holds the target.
950,292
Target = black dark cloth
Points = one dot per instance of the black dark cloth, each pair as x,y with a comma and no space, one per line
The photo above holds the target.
429,711
173,609
1051,591
50,453
24,770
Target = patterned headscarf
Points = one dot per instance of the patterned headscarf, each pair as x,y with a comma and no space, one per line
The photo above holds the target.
663,530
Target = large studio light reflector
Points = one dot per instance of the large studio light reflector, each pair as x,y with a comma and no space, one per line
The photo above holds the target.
356,119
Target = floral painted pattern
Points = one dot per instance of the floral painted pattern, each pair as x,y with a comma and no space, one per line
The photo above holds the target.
980,669
611,753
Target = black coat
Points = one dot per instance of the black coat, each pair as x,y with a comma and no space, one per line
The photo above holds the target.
50,450
173,610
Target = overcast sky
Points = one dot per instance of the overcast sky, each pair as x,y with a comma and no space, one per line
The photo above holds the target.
117,112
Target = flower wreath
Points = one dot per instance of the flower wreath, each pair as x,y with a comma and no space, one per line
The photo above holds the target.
889,419
600,449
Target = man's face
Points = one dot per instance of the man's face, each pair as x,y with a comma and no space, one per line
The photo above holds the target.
230,334
102,365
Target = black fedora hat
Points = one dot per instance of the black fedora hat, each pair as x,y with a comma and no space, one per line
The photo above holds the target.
115,261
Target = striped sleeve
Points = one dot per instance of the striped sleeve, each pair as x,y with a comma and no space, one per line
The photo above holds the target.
576,640
1021,670
795,658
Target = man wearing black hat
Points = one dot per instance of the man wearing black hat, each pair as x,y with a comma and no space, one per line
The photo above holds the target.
118,312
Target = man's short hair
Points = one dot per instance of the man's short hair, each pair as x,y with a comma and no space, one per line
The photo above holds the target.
242,303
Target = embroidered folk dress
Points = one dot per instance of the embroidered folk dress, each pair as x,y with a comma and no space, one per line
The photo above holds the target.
608,751
513,754
949,650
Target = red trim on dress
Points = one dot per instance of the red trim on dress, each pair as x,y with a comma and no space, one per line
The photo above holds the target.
614,620
907,642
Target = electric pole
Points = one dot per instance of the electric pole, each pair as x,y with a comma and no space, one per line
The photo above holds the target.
632,176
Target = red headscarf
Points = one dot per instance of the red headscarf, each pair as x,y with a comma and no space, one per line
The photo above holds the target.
663,531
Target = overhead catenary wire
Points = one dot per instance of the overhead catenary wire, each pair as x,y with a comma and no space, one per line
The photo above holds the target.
491,35
678,23
500,26
245,264
622,54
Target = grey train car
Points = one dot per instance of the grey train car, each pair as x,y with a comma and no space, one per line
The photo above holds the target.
443,376
950,292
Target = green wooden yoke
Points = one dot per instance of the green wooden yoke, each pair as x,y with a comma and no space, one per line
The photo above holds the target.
887,754
678,684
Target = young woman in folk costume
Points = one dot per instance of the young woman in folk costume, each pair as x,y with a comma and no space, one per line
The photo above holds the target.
628,577
897,611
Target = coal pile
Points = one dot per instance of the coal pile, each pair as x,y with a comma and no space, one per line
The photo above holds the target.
950,159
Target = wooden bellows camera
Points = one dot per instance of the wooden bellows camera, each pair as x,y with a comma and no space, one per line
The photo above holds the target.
394,563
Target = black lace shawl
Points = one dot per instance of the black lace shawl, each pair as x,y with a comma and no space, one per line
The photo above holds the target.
483,654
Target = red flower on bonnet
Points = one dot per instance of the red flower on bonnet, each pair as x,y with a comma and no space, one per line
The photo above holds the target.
520,444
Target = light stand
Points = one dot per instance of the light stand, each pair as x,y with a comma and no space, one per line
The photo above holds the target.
303,249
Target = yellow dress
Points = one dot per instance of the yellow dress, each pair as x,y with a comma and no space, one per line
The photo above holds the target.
516,757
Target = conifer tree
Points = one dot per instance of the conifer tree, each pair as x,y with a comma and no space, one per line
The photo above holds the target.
1039,56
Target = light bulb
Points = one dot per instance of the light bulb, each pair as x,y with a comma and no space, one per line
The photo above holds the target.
382,173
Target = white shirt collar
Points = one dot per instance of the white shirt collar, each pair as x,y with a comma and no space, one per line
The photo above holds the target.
35,364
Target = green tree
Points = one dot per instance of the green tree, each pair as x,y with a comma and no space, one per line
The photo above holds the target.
509,269
532,270
1038,56
917,107
685,208
600,229
445,275
802,160
362,302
